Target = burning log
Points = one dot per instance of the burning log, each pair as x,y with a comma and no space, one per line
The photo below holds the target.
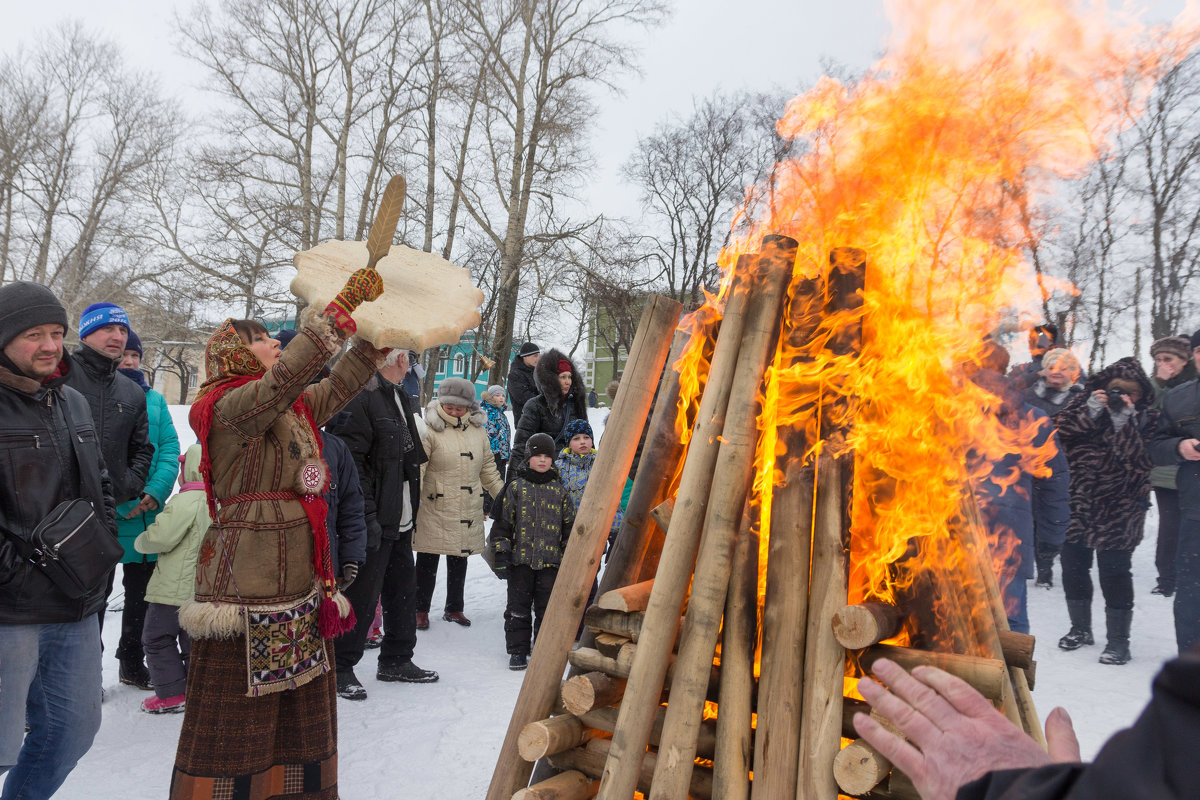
730,487
627,598
675,565
591,690
988,676
731,765
784,616
617,623
824,658
577,572
865,624
552,735
605,719
592,760
570,785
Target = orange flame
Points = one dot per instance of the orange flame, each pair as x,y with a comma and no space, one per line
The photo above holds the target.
927,164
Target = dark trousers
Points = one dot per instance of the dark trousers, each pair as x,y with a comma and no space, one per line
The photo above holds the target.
501,463
134,578
528,594
1116,577
1187,585
167,649
1167,501
456,580
387,578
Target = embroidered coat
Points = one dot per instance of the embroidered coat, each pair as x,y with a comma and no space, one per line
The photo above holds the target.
460,467
262,551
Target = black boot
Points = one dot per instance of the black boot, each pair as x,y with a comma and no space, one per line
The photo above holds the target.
1080,634
1117,650
134,673
405,671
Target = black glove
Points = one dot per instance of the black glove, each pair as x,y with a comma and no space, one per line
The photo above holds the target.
374,534
349,573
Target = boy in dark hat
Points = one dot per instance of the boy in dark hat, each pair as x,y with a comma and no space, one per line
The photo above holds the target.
533,520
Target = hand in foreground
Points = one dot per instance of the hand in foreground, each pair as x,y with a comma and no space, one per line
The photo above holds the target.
148,503
365,284
952,734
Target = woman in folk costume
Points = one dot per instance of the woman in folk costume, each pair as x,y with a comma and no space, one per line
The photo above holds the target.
260,720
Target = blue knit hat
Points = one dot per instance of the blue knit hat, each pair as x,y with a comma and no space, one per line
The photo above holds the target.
134,343
97,315
576,427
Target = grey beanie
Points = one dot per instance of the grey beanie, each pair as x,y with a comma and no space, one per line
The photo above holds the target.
25,305
540,444
458,392
495,388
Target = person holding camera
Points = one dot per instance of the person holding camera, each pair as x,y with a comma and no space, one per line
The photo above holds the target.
1106,432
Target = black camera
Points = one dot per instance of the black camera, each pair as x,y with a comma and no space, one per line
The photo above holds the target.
1116,399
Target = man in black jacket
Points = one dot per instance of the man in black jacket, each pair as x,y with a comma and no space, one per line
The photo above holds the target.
1177,443
382,436
40,626
522,386
119,411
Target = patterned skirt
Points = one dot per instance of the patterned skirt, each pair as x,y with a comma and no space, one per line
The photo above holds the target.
277,746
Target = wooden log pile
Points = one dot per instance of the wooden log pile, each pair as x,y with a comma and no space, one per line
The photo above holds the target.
706,672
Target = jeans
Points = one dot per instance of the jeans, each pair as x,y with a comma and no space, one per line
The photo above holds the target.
50,677
1116,578
1015,595
456,581
386,577
1187,585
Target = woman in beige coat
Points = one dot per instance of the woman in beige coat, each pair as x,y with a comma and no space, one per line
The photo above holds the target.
450,518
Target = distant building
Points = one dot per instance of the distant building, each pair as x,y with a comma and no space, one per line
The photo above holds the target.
460,360
610,333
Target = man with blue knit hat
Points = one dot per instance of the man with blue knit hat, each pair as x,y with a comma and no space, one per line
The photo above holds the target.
49,641
123,429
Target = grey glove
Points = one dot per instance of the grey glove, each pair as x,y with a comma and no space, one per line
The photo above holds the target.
349,573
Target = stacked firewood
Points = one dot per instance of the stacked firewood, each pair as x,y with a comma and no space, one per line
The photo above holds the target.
681,688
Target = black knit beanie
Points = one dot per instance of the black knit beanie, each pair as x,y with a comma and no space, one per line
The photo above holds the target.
25,305
540,444
1195,340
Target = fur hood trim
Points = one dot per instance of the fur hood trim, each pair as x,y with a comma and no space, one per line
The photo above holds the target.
1127,369
545,374
437,419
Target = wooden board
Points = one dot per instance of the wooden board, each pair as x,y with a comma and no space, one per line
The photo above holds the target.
427,301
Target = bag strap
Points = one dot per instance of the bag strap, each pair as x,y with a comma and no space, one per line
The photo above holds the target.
96,494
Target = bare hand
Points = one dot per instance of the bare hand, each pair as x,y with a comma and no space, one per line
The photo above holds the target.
148,503
1190,449
954,735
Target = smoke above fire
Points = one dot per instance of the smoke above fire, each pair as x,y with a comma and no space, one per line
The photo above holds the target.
930,164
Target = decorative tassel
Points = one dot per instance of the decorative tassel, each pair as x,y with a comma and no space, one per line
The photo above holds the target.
330,622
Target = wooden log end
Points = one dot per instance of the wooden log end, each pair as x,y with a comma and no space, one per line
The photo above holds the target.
569,785
864,624
859,768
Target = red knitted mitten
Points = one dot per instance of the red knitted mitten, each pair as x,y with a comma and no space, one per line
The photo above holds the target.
365,284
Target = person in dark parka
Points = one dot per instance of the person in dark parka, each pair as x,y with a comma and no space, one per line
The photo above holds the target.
522,386
1172,367
1177,442
1106,432
560,399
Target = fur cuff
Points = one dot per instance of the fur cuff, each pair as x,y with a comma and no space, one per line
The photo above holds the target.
323,326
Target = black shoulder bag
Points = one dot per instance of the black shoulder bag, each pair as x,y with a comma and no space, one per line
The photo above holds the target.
72,545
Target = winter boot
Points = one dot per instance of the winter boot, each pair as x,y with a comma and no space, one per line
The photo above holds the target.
518,661
1080,634
134,673
163,705
404,671
422,621
1117,649
348,685
1165,588
1045,578
457,616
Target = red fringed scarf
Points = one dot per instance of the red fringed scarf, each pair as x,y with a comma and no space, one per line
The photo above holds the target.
316,508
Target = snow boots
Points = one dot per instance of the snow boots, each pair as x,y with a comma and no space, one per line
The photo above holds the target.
163,705
518,661
133,672
404,671
1080,634
348,685
1117,649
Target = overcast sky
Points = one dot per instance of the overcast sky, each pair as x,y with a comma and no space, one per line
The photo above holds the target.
706,45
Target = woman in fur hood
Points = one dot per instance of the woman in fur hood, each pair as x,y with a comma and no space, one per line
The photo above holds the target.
561,398
450,517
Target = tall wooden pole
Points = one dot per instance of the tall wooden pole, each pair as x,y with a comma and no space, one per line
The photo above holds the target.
621,770
730,487
540,688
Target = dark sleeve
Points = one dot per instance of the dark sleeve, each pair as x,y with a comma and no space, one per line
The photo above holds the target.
502,515
1075,424
351,523
356,431
1154,758
1164,443
531,420
141,454
106,491
1052,499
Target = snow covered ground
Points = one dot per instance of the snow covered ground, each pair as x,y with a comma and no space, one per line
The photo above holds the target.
441,739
